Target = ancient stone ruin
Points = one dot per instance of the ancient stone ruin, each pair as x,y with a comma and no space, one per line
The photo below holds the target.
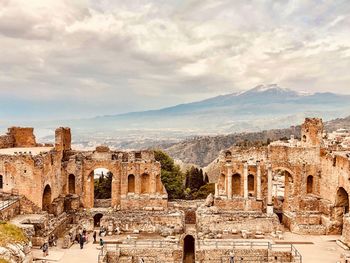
301,186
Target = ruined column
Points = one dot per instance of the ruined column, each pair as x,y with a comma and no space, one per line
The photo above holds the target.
245,180
216,190
258,181
269,208
137,179
229,181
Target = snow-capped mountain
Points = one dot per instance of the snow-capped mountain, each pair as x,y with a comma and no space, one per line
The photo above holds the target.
263,107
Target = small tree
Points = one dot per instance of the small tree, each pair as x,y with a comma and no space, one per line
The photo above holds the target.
171,175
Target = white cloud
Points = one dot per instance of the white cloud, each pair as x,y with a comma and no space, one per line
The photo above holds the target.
132,55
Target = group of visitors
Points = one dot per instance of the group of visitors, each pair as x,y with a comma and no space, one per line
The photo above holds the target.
81,238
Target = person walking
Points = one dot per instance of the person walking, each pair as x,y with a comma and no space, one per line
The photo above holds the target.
45,248
94,236
81,241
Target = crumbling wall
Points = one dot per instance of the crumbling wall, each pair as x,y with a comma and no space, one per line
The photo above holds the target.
18,137
22,137
63,139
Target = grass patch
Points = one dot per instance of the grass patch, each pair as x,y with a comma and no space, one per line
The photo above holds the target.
10,233
3,260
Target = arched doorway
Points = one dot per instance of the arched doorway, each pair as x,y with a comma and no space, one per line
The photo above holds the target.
145,183
251,185
97,219
1,182
341,207
102,185
236,184
71,184
282,191
131,183
46,198
310,184
189,255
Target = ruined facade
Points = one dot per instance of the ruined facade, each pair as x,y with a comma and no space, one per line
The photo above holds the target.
43,174
301,185
314,183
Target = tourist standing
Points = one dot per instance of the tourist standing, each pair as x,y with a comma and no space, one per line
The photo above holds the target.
45,248
81,241
101,242
94,236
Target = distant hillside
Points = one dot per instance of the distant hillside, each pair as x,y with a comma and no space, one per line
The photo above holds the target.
337,124
203,150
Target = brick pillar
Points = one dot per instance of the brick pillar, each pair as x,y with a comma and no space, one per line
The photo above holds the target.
258,181
153,184
137,179
269,190
229,181
245,180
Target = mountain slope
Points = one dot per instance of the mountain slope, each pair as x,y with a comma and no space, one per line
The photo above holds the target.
263,107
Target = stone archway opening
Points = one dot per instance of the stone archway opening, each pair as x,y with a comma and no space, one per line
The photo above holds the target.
71,184
97,219
236,184
310,184
1,182
341,207
145,183
282,190
131,183
189,255
102,185
46,202
251,185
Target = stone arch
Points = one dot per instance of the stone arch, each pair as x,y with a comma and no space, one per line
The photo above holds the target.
88,184
145,183
1,182
46,202
159,186
228,154
101,184
189,254
236,184
97,219
310,184
342,199
251,184
71,184
283,190
341,207
131,183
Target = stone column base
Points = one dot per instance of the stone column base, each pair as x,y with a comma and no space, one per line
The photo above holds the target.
269,209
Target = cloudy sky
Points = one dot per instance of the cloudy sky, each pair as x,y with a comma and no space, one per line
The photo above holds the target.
77,58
